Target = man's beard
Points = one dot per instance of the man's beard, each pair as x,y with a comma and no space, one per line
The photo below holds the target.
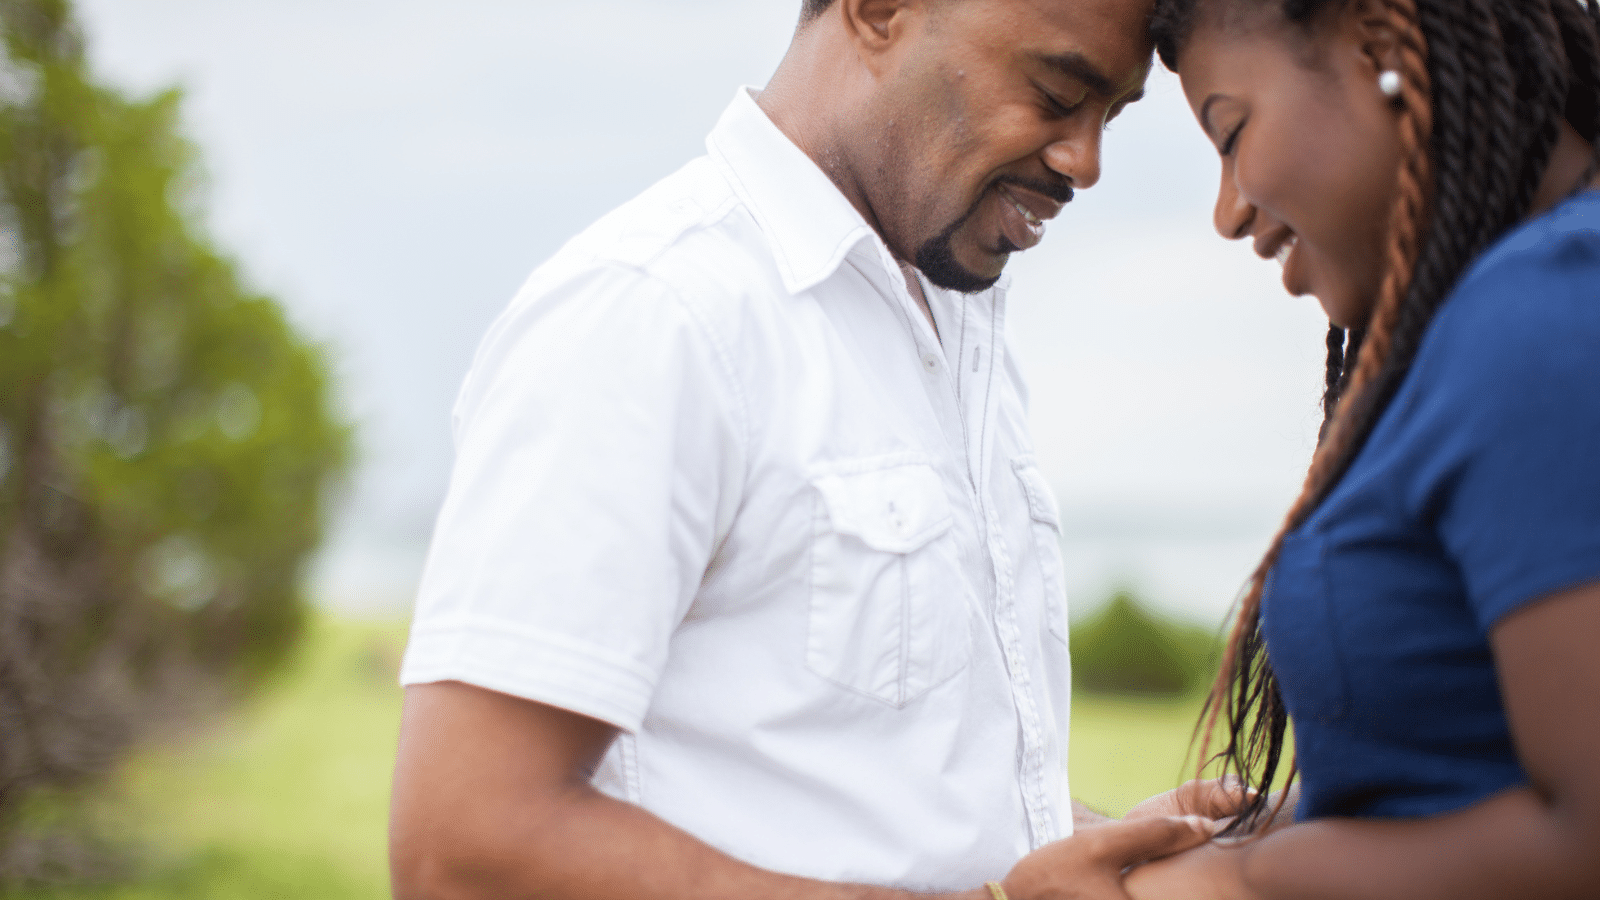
937,261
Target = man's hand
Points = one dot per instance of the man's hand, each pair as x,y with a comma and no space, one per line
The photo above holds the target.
1089,865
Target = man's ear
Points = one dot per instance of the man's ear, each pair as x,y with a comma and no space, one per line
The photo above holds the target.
877,26
1366,23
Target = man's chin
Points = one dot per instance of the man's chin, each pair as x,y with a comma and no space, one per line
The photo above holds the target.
936,261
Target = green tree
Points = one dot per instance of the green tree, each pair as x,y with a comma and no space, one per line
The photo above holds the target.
1126,649
166,440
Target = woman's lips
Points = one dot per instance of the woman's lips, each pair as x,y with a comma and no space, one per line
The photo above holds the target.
1293,262
1284,246
1285,250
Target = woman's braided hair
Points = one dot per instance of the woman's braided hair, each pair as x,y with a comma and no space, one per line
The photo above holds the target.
1485,87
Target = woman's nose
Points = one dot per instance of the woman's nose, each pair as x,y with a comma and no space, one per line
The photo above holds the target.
1234,214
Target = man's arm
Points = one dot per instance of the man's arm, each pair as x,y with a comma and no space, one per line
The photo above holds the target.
492,798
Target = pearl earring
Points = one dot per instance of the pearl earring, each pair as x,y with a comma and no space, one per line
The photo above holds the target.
1389,82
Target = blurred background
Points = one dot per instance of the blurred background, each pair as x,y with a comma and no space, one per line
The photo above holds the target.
387,173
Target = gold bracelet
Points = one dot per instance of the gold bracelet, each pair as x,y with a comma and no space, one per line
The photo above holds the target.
996,891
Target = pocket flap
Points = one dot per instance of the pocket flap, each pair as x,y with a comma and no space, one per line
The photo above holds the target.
896,509
1041,502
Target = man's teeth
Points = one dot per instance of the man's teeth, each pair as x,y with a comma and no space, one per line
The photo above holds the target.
1285,250
1034,222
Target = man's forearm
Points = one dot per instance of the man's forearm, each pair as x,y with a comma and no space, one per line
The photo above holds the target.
594,847
492,799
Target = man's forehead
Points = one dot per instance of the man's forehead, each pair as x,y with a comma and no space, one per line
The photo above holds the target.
1103,43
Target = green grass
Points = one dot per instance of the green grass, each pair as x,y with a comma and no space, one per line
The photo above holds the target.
288,798
1124,749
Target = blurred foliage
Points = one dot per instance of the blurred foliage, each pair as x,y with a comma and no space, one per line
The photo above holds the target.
166,441
1127,649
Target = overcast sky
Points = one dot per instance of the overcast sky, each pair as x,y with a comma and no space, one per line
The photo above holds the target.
393,169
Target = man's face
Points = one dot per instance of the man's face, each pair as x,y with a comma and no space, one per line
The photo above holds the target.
989,118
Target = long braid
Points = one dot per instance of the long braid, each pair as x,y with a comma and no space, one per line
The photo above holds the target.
1520,164
1333,372
1537,54
1486,84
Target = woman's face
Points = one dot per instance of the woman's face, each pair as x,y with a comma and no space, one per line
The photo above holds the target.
1310,149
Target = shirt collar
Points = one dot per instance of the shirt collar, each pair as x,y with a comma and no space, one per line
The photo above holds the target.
810,224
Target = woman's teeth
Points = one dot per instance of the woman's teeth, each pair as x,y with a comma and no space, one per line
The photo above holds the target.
1285,250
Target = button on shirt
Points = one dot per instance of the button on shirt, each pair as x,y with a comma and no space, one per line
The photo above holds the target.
720,484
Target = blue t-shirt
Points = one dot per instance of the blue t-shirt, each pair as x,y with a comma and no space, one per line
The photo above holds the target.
1477,493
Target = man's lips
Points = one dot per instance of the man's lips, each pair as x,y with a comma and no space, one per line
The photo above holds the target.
1023,226
1036,207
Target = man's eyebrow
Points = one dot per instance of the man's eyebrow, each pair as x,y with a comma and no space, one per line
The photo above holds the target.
1075,65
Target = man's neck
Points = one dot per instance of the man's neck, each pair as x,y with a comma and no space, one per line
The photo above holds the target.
813,97
914,287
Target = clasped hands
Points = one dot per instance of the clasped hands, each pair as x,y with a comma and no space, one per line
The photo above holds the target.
1106,861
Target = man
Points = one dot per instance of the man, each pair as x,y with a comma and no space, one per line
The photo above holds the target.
746,584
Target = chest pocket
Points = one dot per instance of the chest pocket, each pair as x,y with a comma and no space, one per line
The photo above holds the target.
1046,544
888,615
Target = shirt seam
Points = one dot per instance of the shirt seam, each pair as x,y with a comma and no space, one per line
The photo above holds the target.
719,350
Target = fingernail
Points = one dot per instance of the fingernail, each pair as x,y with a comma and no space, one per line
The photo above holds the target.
1201,823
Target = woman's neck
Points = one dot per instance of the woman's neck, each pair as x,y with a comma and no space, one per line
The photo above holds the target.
1570,162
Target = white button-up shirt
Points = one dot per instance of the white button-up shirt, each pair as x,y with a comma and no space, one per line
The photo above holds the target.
720,484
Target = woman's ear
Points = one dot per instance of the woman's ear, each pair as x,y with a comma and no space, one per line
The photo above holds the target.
1366,23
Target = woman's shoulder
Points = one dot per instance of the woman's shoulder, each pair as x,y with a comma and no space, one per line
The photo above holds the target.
1560,247
1526,317
1543,275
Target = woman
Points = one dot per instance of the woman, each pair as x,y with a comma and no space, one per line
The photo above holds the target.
1430,614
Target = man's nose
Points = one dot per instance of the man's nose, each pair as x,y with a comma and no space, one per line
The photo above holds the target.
1234,214
1077,156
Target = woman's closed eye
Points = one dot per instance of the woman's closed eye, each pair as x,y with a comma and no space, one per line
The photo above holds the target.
1230,141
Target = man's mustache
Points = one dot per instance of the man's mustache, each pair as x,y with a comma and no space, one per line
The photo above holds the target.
1059,191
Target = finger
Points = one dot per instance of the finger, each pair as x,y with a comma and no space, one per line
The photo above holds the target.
1122,844
1214,799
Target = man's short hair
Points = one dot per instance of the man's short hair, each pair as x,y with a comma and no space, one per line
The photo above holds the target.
810,9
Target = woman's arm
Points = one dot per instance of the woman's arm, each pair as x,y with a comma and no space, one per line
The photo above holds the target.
1542,840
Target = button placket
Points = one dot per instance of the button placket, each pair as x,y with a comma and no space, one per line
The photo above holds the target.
1041,821
976,407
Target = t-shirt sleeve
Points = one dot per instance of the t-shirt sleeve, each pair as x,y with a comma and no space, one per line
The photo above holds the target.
598,459
1518,411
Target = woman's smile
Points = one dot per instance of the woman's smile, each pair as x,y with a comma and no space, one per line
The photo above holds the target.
1308,161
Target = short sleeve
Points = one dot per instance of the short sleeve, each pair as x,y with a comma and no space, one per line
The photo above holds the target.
1518,416
598,459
